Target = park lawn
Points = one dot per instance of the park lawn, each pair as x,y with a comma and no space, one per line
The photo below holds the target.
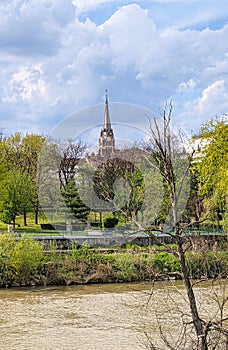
31,226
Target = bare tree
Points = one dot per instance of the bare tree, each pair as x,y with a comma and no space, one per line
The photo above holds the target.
165,149
58,190
70,154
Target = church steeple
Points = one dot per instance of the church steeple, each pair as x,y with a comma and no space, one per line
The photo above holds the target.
107,122
106,139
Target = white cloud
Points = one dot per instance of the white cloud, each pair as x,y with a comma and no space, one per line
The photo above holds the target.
214,98
53,63
213,101
186,86
129,34
85,5
26,84
33,27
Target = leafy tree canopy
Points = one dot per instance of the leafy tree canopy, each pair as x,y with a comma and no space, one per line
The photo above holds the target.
212,169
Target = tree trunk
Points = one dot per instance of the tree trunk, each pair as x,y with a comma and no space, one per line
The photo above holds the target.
36,215
198,325
100,214
14,222
25,218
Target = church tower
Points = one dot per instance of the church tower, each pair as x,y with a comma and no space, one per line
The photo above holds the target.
106,139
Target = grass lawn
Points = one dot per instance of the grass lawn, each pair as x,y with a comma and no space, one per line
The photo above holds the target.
31,226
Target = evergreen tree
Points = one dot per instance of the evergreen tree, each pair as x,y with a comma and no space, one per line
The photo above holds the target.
74,202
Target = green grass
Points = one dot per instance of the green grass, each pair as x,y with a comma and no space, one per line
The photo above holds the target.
31,226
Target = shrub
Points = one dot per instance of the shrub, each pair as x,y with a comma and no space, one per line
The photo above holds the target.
165,262
27,259
208,264
110,222
20,260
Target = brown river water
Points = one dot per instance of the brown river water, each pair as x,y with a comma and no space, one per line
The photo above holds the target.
95,317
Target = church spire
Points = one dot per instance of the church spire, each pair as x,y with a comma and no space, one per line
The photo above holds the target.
107,122
106,139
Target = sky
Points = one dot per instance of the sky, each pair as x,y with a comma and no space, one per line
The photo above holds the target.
58,57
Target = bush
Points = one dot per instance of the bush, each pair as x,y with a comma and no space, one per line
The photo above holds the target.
7,270
27,259
110,222
21,260
208,265
165,262
124,264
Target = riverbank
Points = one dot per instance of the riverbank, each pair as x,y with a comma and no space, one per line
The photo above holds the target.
23,262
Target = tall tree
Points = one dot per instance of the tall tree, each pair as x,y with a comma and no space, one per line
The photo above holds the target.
21,154
212,169
107,188
173,167
73,201
58,170
3,177
31,146
70,154
18,197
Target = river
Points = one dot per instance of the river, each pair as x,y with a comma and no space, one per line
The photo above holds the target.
94,317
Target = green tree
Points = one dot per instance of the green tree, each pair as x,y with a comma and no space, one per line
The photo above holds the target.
213,171
68,155
73,201
127,194
21,154
3,175
17,201
11,151
31,147
195,206
26,193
